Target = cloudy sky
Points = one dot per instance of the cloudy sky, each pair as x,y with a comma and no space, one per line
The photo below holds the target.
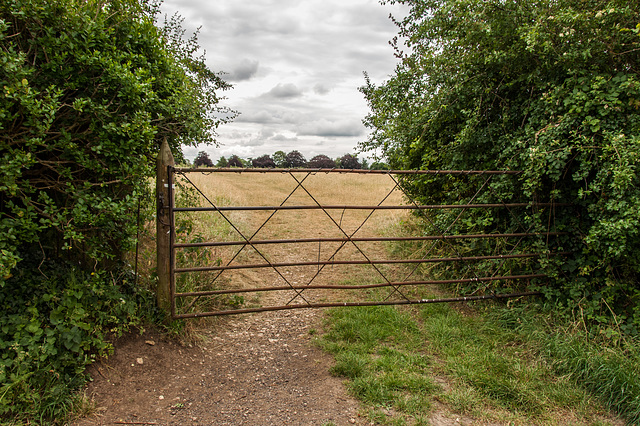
296,66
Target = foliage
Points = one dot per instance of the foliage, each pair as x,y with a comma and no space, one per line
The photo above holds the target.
222,162
294,160
202,160
547,87
55,321
321,162
349,161
490,368
235,161
89,91
263,161
378,165
604,365
280,158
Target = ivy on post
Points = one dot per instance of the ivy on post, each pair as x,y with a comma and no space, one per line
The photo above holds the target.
163,228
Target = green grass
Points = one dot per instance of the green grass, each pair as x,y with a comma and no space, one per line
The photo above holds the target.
377,349
399,361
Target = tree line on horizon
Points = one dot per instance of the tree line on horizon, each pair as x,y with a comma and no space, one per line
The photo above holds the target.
291,160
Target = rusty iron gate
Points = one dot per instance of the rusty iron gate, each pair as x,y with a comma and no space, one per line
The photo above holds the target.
197,267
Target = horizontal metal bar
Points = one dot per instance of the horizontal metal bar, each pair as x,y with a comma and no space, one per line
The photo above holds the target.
336,305
343,171
354,207
364,239
361,262
357,287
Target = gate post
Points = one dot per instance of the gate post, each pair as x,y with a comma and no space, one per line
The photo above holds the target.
163,228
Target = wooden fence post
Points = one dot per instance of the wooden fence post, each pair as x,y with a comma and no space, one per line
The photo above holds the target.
163,228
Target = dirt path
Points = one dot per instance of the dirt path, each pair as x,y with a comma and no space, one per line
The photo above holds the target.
259,369
254,369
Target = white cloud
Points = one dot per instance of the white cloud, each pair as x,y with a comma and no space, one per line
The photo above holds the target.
327,128
296,68
283,91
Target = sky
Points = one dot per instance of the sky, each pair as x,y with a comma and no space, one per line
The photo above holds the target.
295,67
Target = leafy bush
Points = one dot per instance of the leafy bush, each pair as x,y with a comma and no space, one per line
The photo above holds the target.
547,87
90,89
56,320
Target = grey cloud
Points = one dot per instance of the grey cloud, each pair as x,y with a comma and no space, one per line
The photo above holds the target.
245,70
283,138
283,91
328,128
262,117
237,135
321,89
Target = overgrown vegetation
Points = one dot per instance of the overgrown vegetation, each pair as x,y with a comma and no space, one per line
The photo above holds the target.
56,319
503,365
89,91
547,87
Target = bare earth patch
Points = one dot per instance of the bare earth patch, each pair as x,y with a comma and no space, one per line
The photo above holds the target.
259,369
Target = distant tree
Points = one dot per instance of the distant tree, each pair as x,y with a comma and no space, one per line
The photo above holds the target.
202,160
365,164
295,160
263,162
235,161
349,161
280,158
377,165
222,162
321,162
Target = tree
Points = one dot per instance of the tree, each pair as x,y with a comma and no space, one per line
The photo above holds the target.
235,161
349,161
547,87
280,158
321,162
202,160
222,162
263,162
90,89
377,165
294,160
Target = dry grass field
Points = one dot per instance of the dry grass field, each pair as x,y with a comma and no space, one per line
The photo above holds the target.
276,189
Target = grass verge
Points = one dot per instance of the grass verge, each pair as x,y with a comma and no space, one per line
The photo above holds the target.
490,364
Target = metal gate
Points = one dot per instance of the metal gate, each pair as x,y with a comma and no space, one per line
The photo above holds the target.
207,251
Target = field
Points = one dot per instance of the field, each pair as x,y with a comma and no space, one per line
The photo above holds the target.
232,189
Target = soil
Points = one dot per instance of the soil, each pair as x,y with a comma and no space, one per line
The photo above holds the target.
254,369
